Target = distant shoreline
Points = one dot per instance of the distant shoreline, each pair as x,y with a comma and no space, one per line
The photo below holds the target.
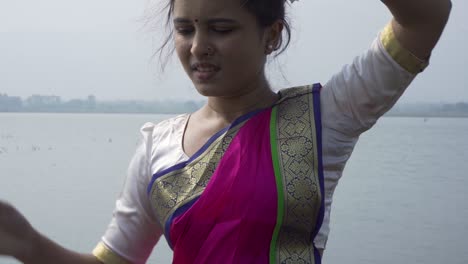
90,105
409,115
462,115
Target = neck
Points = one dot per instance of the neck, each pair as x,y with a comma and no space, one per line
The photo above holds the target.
228,109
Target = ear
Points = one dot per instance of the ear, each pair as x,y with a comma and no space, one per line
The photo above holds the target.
272,36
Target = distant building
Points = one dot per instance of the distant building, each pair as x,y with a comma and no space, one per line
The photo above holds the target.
91,102
42,103
10,103
43,100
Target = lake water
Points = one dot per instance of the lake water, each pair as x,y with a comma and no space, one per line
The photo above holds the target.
403,197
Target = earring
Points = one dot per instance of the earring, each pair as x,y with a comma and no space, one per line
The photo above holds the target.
269,48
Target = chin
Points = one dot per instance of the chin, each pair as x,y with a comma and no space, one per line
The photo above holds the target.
210,90
207,90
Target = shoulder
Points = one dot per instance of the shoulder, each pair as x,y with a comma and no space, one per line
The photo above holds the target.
293,95
296,91
156,136
162,142
154,131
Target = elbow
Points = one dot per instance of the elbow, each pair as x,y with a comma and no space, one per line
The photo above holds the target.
444,11
441,13
448,4
412,15
433,18
448,9
440,19
436,20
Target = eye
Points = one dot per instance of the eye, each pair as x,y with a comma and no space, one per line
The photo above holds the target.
184,30
222,30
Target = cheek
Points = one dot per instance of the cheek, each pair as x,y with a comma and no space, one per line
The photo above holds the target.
245,56
182,49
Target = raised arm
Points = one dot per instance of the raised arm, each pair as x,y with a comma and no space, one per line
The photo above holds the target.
418,24
361,92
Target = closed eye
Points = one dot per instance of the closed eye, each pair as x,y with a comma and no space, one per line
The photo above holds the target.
184,30
222,31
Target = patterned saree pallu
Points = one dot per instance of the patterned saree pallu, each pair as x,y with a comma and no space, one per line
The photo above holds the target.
253,193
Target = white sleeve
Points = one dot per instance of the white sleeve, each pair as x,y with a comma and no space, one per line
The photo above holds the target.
133,230
353,100
363,91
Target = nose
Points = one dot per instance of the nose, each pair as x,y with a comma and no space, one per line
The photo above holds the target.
201,45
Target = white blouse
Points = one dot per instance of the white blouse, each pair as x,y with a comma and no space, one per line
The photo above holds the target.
351,103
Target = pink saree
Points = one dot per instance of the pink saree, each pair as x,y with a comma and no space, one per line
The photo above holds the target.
253,193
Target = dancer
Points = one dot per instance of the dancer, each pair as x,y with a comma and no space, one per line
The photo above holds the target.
249,177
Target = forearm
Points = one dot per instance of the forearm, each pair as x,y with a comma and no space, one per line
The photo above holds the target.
418,24
45,251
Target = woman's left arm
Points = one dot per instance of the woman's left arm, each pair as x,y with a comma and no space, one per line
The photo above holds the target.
418,24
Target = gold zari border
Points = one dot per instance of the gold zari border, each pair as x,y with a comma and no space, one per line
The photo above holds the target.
177,188
298,160
402,56
107,256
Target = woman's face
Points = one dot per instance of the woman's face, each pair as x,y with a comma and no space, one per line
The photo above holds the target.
220,45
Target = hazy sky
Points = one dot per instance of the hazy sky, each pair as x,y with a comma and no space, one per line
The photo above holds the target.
75,48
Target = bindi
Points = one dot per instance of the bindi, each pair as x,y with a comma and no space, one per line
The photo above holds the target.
196,20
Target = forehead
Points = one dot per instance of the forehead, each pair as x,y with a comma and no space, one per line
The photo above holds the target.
205,9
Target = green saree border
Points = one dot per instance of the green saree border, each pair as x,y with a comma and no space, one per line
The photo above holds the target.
296,166
279,184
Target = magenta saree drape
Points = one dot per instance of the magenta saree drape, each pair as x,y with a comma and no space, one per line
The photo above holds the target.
233,220
253,193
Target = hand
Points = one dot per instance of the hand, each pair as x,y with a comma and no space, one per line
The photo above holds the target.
17,236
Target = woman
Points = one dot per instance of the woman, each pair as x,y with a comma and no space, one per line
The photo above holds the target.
249,177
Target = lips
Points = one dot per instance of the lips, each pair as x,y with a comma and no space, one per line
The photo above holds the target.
204,71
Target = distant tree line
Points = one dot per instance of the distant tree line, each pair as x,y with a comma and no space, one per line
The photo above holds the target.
54,104
430,110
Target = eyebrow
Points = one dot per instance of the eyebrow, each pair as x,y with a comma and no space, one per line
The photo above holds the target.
210,21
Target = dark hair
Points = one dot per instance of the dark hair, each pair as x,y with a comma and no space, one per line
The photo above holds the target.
267,12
